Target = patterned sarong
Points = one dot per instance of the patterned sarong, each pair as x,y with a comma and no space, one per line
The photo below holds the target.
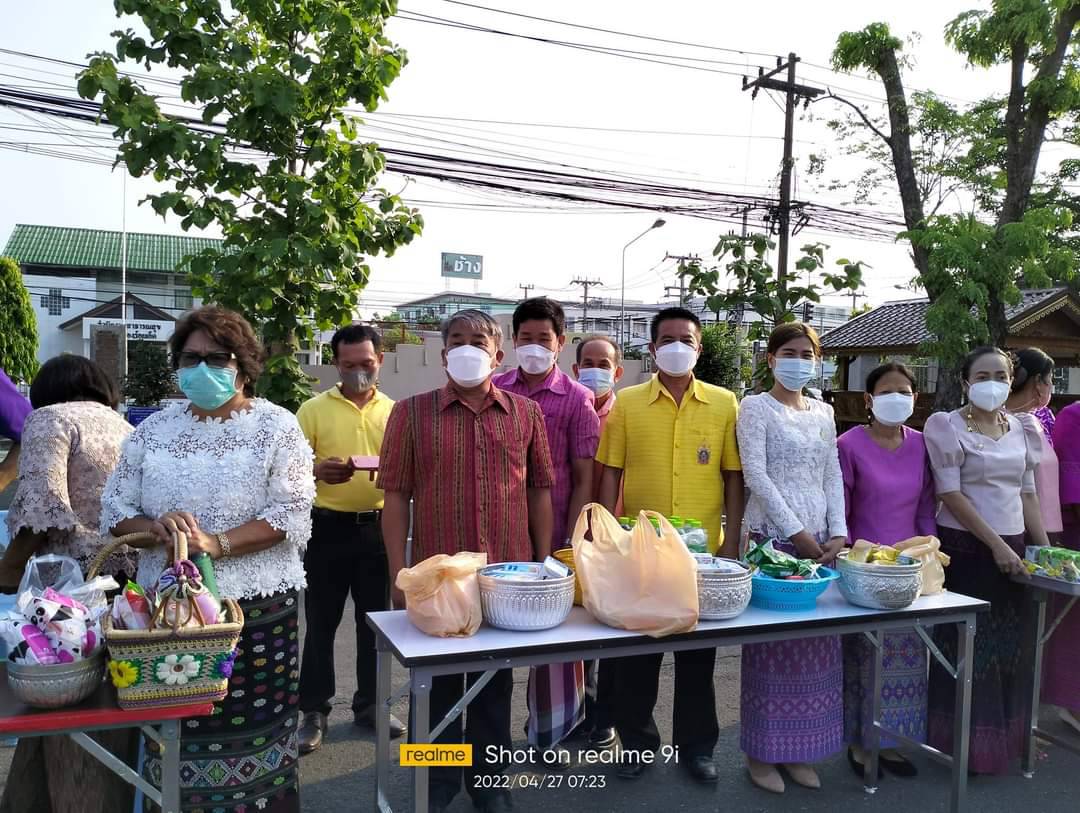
556,700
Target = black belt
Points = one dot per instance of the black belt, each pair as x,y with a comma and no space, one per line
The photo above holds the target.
356,517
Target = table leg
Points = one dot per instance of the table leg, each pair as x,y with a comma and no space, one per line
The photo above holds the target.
965,657
170,766
870,769
421,699
1031,719
382,723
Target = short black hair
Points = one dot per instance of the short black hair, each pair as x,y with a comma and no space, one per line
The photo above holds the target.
672,313
1031,362
73,378
356,334
978,353
881,371
540,307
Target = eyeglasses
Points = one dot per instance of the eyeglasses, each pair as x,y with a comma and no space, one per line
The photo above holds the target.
217,360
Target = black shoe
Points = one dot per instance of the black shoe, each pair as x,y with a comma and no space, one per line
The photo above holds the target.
555,760
898,767
859,769
630,768
702,768
312,729
498,803
366,719
600,738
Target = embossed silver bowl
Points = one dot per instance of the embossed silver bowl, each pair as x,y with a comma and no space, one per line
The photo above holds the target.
880,587
56,686
524,605
724,589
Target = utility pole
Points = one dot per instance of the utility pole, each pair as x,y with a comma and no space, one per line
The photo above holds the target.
854,296
585,284
525,290
794,93
684,261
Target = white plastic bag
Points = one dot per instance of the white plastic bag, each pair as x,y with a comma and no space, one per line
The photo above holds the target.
63,574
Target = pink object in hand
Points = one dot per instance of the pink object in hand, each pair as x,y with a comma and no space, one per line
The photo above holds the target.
368,464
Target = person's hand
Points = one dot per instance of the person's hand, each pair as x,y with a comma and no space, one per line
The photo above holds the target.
202,542
174,521
806,546
831,549
333,471
1007,561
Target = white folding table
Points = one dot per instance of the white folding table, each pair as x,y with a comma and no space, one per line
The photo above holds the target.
581,637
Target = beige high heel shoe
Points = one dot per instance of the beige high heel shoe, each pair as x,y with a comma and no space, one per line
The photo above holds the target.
803,774
765,776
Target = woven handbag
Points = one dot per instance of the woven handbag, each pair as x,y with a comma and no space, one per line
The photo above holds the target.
177,665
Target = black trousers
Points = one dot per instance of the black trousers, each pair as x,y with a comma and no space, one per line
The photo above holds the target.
695,729
343,557
599,694
487,722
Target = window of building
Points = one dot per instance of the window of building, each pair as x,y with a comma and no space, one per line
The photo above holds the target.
1060,378
55,302
182,299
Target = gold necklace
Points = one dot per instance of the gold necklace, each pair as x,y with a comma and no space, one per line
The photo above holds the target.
1000,421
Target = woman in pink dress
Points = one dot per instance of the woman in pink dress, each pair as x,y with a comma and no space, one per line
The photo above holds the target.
1061,675
889,494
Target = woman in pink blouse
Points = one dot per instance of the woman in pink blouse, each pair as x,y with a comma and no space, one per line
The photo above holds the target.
984,462
889,494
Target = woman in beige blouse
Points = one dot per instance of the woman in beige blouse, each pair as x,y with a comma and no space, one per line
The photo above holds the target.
70,445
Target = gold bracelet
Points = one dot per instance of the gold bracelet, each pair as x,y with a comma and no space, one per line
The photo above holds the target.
225,545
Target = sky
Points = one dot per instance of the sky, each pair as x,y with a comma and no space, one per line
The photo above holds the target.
714,134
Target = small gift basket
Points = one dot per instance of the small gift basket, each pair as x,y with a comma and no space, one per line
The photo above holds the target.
173,645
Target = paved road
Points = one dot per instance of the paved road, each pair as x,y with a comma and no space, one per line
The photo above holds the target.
340,776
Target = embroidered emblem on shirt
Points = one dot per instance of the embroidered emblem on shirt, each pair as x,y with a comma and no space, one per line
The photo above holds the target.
704,454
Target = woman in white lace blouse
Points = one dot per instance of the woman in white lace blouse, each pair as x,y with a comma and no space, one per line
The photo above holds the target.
792,705
234,472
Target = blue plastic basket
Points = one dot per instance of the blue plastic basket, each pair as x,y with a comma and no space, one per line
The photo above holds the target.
790,596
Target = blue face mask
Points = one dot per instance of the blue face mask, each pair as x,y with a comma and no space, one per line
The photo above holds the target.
597,379
207,387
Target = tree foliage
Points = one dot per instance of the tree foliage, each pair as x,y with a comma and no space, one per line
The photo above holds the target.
272,158
725,357
150,378
18,325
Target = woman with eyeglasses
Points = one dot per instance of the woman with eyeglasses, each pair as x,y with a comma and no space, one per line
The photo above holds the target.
234,473
984,460
889,495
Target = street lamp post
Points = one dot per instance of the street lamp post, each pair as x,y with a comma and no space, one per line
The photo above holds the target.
622,299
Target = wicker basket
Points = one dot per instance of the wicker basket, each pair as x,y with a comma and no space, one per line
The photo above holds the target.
158,668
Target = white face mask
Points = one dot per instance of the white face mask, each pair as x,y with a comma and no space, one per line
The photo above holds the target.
468,366
676,358
989,395
535,358
794,374
597,379
893,408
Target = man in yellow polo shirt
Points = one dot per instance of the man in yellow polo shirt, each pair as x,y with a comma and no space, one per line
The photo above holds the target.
346,552
671,441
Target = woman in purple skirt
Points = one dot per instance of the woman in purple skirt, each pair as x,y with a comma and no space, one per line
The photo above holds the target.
984,460
889,492
792,705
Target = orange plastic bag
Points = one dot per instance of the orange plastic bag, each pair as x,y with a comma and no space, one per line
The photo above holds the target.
635,580
442,594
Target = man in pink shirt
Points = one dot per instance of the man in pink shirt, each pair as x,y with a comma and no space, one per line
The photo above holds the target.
556,694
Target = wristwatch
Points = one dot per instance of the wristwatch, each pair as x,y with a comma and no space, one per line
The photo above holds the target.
225,544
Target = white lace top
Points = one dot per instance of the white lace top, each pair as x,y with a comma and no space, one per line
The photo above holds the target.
68,452
256,465
791,467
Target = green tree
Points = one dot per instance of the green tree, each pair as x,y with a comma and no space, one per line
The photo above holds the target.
973,264
273,160
18,325
150,378
725,357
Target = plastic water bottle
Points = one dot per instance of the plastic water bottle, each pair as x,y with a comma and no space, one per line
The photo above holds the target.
697,541
625,523
677,524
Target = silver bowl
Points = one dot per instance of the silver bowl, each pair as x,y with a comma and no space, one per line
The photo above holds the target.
723,590
56,686
525,605
880,587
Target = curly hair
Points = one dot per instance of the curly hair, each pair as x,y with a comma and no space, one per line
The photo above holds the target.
228,329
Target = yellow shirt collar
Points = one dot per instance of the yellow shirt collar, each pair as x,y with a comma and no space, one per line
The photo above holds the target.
696,390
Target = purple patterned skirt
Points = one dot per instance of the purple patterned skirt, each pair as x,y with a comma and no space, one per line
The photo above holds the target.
792,699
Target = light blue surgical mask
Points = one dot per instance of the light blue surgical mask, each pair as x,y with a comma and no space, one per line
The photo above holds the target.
597,379
207,387
794,374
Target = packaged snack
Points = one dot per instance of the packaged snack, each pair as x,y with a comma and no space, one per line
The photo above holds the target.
38,649
554,569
